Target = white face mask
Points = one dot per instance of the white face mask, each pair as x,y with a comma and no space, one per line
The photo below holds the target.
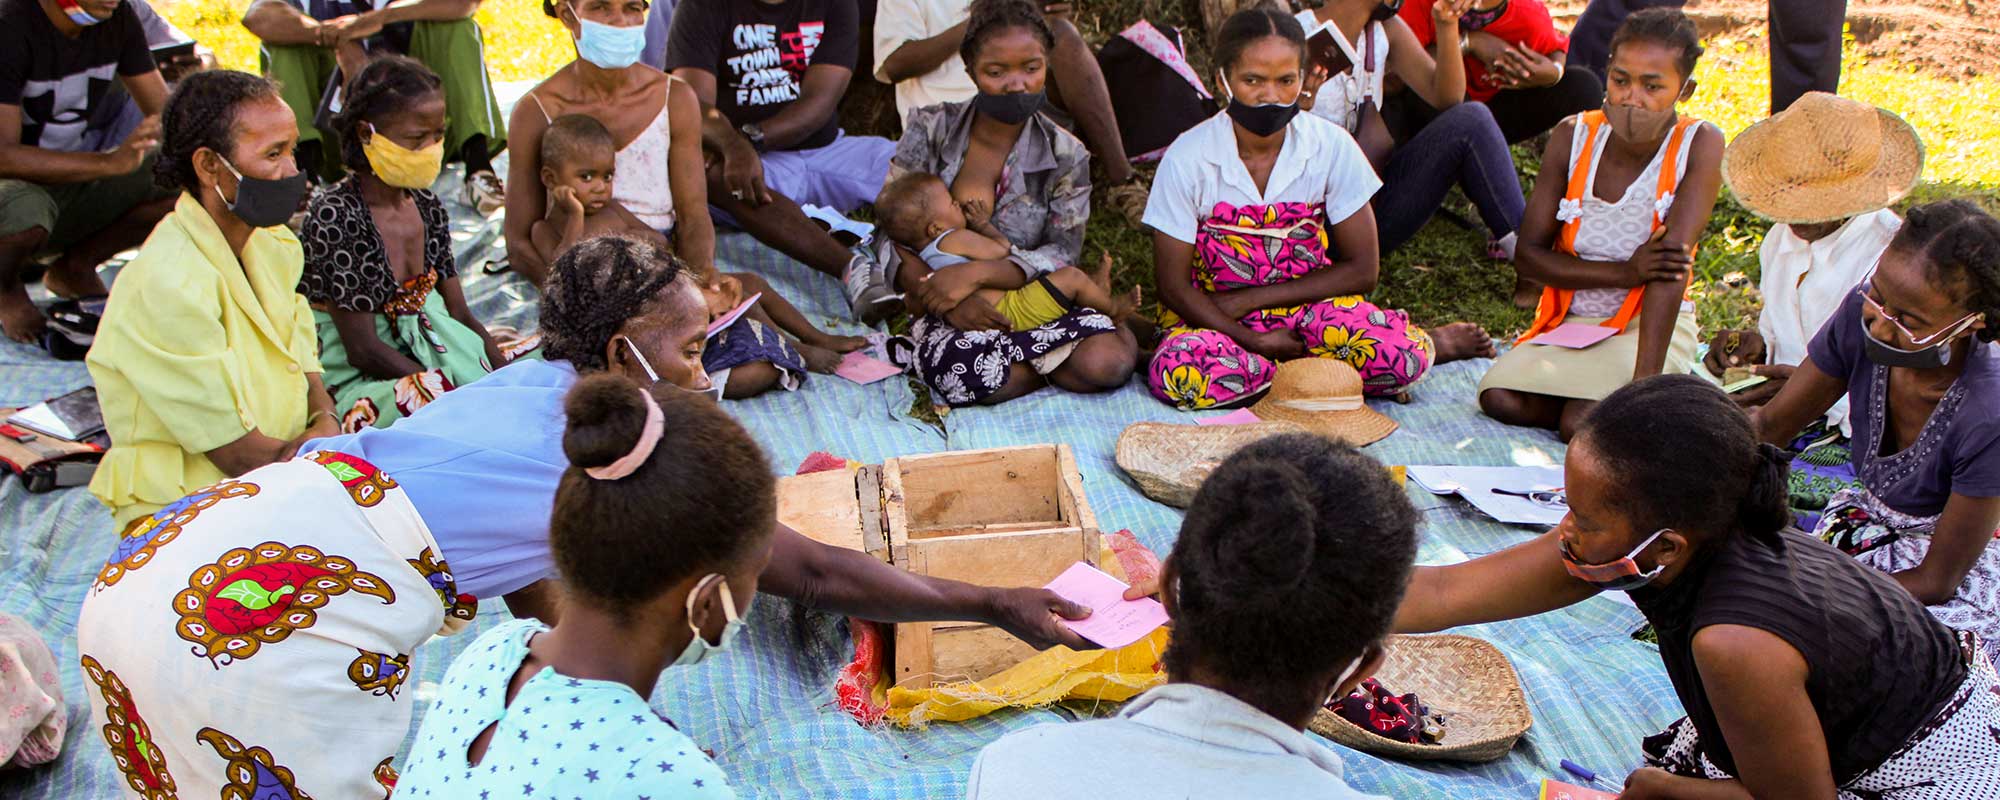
713,392
1344,675
698,649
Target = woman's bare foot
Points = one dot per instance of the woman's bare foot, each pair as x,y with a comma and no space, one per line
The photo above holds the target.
70,282
1527,293
820,359
19,317
1462,340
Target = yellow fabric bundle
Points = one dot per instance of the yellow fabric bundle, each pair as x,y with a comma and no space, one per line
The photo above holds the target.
1051,676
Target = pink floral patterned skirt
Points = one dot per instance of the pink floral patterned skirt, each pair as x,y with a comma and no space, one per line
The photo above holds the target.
1246,246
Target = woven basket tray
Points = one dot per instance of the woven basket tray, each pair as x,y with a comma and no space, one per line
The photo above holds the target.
1169,461
1466,680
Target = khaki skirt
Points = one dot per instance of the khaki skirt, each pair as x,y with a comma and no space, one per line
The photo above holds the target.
1592,373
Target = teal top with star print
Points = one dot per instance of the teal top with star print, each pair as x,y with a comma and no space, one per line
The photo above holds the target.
560,738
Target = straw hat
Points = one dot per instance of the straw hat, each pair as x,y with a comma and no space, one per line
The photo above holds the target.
1170,461
1467,680
1324,396
1824,159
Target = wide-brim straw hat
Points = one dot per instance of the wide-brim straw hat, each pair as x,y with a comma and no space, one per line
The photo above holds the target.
1467,681
1323,395
1170,461
1826,158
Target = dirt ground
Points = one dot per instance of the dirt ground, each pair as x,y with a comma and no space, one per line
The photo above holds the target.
1949,37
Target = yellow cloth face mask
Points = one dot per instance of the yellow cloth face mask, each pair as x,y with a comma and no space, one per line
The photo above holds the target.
400,166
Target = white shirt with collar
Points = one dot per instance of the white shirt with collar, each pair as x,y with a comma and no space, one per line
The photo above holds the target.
1177,740
1318,163
1804,282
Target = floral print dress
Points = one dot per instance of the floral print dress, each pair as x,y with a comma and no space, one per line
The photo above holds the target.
1238,247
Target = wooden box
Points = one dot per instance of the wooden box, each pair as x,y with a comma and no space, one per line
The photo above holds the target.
839,507
1007,517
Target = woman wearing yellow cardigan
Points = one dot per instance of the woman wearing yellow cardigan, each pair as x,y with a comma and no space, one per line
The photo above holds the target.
206,362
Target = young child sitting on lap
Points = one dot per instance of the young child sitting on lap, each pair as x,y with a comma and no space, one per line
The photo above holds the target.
579,159
564,710
918,212
1271,618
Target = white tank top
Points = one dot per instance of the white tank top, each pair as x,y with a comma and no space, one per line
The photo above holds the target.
641,184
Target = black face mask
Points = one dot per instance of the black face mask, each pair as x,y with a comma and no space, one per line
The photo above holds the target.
263,202
1262,120
1008,109
1882,353
1383,12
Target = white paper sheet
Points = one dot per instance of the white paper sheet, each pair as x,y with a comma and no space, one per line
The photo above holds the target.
1476,485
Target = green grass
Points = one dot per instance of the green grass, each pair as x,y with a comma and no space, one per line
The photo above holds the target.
1443,275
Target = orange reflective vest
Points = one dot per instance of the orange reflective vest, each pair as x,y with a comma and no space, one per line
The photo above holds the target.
1555,302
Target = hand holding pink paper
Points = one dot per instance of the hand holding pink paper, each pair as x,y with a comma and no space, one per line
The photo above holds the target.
1114,621
1575,335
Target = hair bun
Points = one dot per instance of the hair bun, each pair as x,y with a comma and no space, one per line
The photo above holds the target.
606,416
1270,507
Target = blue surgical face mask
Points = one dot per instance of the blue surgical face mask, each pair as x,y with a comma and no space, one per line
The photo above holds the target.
609,46
698,649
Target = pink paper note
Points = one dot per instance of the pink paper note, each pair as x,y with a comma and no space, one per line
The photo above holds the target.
1575,335
1114,621
864,369
734,314
1241,416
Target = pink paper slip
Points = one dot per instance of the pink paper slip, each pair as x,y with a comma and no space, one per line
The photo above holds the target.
1241,416
864,369
734,314
1557,790
1114,621
1575,335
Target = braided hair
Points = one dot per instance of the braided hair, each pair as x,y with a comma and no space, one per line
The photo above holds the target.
387,85
1685,457
1291,562
594,288
989,17
200,113
1960,246
1247,26
706,475
1667,27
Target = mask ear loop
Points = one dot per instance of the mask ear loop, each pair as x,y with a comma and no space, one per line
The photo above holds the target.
728,601
640,357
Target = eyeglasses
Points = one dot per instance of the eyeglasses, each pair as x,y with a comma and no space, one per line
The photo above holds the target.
1866,289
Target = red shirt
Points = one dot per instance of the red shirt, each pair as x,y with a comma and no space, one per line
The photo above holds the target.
1523,22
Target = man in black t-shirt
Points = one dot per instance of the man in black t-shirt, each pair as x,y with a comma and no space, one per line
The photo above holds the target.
770,75
58,59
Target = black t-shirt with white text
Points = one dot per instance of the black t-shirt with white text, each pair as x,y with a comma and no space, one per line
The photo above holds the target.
759,52
57,81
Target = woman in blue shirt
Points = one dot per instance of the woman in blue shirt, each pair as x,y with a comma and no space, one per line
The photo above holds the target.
416,521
